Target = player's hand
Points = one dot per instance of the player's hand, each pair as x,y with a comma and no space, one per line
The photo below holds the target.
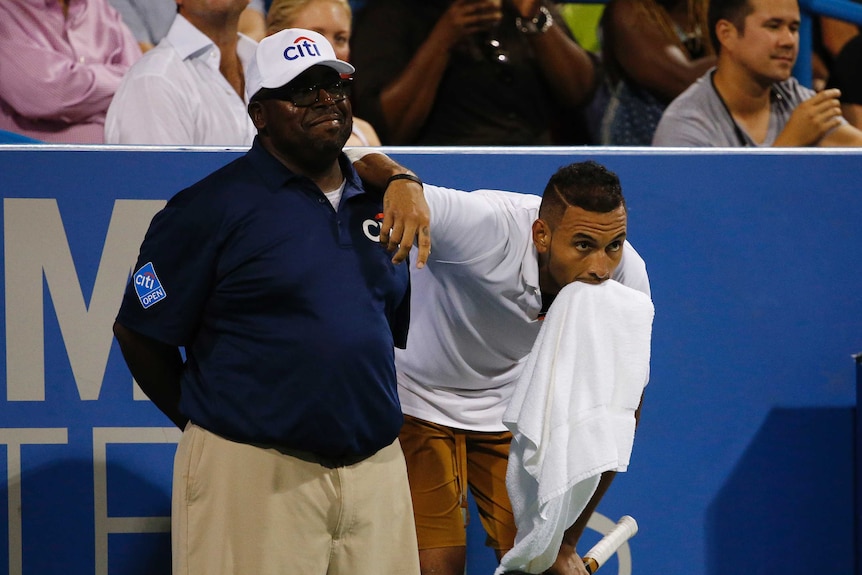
812,120
466,17
568,562
406,219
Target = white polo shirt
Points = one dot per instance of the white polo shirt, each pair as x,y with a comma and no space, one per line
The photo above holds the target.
176,95
474,307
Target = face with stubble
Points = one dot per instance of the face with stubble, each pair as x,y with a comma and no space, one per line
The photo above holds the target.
767,44
583,246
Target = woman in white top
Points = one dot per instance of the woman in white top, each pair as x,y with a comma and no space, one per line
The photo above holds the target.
333,19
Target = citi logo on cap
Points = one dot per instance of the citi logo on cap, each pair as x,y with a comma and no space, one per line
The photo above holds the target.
303,47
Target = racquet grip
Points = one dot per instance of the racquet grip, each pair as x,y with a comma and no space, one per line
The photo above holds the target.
624,530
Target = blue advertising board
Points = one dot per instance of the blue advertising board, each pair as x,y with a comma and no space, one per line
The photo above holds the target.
745,452
857,479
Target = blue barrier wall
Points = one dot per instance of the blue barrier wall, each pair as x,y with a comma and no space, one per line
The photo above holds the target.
857,479
744,456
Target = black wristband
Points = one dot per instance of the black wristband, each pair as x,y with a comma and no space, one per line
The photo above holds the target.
410,177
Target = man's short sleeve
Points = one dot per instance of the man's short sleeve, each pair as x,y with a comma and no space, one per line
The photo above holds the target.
681,130
173,277
632,270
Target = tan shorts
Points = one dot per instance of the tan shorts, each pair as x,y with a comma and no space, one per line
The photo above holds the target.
442,462
240,508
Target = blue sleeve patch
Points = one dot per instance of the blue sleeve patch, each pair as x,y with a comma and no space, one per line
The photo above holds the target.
147,285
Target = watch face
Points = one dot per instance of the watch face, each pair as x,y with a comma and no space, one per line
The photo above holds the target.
540,20
537,25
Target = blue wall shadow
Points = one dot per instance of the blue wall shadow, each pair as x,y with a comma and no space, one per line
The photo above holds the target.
771,516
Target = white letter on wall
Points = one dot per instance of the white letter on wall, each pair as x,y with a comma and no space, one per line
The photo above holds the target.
106,525
13,439
35,241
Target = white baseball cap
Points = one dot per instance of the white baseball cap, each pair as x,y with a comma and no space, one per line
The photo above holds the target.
285,55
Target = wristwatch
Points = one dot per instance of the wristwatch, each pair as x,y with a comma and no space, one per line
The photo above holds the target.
538,24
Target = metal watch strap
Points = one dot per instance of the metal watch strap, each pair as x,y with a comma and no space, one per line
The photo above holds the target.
538,24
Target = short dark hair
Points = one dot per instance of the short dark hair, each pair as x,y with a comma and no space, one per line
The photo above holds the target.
734,11
586,185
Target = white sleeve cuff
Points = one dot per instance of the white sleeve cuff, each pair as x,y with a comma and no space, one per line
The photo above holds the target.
357,153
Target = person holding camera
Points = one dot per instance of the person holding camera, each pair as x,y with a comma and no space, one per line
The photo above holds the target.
469,72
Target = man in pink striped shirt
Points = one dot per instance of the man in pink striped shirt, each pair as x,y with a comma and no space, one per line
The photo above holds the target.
60,64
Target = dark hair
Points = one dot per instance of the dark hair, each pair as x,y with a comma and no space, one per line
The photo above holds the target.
734,11
586,185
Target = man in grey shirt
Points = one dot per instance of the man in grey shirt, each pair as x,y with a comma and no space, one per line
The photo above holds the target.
750,98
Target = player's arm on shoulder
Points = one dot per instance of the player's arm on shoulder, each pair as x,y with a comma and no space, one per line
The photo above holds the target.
406,216
466,225
373,166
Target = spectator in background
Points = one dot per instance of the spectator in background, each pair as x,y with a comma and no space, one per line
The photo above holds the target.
60,63
843,46
252,21
829,36
7,137
652,51
847,77
835,34
190,89
583,21
468,72
150,20
750,98
334,20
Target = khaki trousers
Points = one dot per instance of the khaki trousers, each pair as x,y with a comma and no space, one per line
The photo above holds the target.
241,509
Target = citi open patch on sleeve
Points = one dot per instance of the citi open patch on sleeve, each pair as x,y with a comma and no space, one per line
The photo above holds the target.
147,286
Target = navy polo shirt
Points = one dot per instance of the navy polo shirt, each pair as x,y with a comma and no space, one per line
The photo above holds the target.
287,309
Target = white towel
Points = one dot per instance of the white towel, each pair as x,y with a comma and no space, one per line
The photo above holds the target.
572,412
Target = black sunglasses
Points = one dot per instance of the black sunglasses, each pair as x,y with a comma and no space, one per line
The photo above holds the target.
304,96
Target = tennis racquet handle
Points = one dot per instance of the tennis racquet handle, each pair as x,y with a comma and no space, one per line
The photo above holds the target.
624,530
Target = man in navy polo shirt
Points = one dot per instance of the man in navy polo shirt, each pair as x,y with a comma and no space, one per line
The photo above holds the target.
271,274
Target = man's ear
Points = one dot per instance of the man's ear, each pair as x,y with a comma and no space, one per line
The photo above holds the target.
725,31
541,236
257,112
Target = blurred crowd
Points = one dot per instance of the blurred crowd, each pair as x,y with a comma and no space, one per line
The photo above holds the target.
434,72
